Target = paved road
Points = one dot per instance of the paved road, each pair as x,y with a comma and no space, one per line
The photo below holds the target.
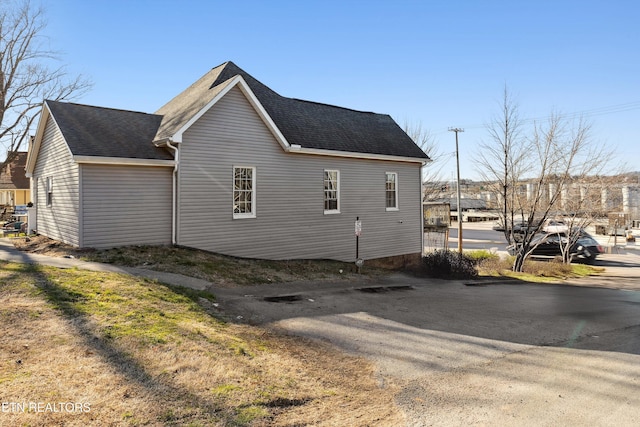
500,354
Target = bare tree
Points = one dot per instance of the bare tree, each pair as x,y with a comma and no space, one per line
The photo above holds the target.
502,160
26,77
565,156
581,197
536,177
432,173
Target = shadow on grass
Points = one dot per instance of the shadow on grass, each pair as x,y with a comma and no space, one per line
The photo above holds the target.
123,363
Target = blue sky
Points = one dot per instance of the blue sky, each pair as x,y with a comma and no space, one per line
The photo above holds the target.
438,63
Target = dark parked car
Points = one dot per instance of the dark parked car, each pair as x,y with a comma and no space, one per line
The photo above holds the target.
520,228
549,245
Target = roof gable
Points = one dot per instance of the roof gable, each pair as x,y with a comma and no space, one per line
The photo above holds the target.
183,107
309,125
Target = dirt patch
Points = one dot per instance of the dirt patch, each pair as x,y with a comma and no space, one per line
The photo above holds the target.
46,246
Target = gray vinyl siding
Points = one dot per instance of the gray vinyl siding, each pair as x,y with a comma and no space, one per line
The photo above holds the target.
60,221
290,222
126,205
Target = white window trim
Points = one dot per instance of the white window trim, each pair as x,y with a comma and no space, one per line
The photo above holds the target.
337,210
252,214
48,191
397,206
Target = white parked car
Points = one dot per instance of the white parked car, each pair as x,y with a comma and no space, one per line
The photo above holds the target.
555,226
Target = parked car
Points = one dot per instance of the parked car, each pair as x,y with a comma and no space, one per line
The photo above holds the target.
551,245
555,226
498,226
518,226
521,227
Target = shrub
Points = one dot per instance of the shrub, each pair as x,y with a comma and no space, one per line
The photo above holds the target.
495,266
449,265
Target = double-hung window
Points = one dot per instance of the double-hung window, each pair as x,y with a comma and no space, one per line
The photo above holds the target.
244,192
331,191
391,191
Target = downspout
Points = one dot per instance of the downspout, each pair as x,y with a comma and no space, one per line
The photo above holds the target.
422,242
174,196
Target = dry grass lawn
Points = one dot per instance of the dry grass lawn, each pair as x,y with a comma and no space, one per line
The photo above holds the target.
128,351
536,271
223,271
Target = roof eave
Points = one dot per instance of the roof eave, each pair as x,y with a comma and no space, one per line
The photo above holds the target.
296,149
122,161
37,141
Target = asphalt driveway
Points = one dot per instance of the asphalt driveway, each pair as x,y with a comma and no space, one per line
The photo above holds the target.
461,353
469,353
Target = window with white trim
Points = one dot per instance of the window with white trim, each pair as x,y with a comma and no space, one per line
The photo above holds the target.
244,192
391,191
331,191
49,190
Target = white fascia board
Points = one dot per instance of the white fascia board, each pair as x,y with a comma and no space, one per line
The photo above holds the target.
266,118
253,100
37,141
123,161
349,154
42,124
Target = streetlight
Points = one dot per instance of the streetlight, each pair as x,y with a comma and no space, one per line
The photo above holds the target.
456,130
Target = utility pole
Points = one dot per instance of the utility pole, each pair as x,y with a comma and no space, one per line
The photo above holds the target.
456,130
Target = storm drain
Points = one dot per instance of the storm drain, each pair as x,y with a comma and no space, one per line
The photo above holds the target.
380,289
487,282
283,298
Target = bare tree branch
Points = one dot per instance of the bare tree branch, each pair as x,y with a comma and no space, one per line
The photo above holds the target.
432,172
502,160
558,155
26,78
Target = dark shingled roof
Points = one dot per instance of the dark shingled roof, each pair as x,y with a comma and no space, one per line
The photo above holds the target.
107,132
12,176
308,124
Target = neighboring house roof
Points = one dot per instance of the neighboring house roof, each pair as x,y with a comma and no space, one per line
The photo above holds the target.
12,176
107,132
307,124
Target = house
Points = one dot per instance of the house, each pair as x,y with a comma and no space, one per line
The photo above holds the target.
232,167
14,185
